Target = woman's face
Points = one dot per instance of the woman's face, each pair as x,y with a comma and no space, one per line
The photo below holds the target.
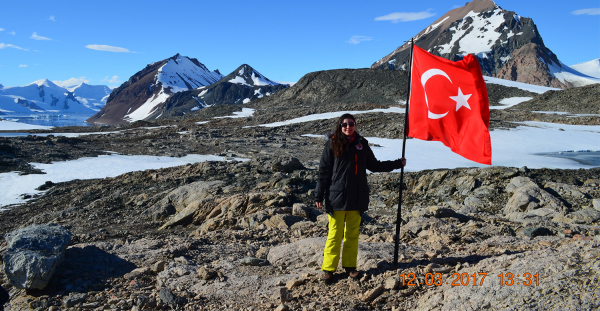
348,130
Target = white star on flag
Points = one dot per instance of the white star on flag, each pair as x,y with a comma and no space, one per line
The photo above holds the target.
461,99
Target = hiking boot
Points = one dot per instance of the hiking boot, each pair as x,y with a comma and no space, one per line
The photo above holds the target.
327,277
353,274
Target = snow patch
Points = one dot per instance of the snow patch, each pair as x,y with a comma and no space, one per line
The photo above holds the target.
14,186
147,108
590,68
238,80
246,112
569,74
479,37
509,102
524,86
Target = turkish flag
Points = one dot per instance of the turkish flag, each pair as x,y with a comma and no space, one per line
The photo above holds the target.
449,103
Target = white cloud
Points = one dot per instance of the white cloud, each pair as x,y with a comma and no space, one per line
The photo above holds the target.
71,82
36,37
13,33
51,18
359,39
594,11
22,66
114,79
1,29
405,17
107,48
2,46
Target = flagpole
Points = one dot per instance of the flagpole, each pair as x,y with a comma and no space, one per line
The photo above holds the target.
399,215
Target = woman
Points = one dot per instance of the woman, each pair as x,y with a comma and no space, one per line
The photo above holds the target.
343,185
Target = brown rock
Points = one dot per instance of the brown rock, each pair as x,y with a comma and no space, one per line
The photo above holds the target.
282,294
293,283
370,295
135,273
158,266
282,307
206,273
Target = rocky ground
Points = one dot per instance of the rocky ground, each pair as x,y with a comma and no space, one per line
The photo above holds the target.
244,235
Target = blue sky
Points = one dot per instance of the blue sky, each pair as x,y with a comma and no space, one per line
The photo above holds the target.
106,42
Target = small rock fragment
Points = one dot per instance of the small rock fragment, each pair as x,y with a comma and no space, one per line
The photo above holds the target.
370,295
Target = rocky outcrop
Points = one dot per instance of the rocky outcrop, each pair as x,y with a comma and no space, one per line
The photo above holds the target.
579,100
33,254
530,64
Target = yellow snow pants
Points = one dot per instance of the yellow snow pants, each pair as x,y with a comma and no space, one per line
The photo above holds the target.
343,224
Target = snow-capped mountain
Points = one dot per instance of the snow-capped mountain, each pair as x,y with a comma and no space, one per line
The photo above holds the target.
590,68
241,86
246,75
508,46
179,85
143,94
45,97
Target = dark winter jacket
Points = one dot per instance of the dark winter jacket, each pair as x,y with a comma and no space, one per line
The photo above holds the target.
343,180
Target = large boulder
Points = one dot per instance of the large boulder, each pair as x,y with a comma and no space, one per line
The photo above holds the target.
532,198
33,254
287,165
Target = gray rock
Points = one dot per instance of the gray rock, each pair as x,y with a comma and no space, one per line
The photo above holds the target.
530,198
474,201
469,209
538,231
465,184
300,209
34,253
433,211
287,165
283,221
584,216
518,182
184,201
282,294
252,221
167,297
596,204
521,217
253,261
73,299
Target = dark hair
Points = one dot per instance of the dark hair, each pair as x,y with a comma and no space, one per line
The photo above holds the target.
339,143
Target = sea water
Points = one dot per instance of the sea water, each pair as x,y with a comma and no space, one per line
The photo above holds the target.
51,120
585,157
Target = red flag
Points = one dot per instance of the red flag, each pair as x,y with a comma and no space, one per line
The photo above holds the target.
449,103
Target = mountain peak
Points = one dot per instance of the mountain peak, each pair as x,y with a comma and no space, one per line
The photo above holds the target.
44,82
246,75
501,40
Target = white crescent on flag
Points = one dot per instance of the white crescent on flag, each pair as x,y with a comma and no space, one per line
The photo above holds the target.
428,74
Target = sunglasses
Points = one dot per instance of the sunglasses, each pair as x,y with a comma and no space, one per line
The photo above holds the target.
350,124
